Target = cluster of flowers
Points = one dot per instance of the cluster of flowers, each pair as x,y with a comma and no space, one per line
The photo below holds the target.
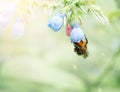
73,31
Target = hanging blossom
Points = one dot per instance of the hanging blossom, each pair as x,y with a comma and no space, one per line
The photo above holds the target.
74,31
56,22
77,34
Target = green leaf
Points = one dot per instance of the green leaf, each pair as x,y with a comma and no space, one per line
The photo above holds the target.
114,15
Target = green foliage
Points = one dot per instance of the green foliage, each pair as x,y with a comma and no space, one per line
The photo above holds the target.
74,10
114,15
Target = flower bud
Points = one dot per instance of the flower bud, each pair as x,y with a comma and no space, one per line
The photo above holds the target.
68,30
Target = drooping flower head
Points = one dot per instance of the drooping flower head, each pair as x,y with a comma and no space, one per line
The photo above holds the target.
76,34
56,22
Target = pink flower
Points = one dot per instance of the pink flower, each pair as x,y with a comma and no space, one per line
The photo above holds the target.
68,30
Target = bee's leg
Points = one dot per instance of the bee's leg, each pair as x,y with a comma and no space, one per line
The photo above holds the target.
86,40
77,49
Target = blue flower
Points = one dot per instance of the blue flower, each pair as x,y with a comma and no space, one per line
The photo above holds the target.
77,34
56,22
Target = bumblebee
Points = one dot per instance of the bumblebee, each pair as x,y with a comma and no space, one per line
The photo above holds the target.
81,48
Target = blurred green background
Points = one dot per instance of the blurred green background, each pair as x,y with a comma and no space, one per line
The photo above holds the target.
39,60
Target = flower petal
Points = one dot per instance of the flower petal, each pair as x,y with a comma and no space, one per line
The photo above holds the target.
77,35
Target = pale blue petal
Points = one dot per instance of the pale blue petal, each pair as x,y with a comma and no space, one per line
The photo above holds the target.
77,35
55,23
